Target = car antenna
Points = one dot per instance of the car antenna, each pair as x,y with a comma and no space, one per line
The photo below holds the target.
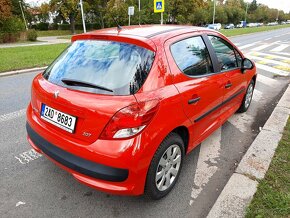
118,26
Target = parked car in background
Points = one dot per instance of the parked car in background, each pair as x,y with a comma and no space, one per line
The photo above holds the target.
120,108
230,26
272,24
216,26
252,24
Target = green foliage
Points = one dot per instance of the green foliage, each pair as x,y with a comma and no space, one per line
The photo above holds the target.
12,25
40,26
10,29
5,10
32,35
68,9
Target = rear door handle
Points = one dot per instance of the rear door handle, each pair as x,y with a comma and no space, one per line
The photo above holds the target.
193,100
228,85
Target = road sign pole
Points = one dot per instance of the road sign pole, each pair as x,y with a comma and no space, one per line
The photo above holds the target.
23,15
139,5
161,18
129,20
213,16
83,18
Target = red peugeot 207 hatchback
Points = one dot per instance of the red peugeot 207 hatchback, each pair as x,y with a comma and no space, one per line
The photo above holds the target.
120,108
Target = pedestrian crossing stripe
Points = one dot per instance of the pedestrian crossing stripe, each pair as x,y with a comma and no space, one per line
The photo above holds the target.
273,61
283,68
271,57
286,61
279,67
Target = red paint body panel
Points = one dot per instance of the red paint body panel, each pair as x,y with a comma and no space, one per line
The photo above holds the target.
165,83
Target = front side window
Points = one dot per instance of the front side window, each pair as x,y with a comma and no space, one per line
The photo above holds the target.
192,57
99,66
225,53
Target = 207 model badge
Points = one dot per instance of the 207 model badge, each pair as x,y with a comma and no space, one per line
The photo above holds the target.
56,93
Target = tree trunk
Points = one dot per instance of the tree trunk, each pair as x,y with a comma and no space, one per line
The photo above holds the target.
72,24
102,20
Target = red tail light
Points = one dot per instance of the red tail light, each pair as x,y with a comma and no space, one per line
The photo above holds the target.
130,120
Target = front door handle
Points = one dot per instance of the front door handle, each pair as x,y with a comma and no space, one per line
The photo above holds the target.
193,100
228,85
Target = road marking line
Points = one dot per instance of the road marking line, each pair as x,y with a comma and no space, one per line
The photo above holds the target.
261,47
272,70
242,122
269,38
246,46
28,156
209,153
283,53
286,61
268,60
257,96
268,55
13,115
279,48
281,67
267,81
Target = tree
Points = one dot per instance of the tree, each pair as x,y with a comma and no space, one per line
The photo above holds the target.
5,10
44,12
253,6
69,9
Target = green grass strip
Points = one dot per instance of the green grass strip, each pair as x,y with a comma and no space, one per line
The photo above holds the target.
28,56
241,31
272,198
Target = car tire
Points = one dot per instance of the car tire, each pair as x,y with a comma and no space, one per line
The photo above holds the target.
247,98
165,167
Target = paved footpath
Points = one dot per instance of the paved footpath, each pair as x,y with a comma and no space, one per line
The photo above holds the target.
241,187
48,40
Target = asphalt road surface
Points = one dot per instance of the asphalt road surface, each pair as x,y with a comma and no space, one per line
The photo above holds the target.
32,186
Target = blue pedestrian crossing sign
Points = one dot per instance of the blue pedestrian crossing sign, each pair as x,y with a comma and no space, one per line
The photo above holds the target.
158,6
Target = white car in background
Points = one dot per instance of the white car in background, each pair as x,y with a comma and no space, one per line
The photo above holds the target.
215,26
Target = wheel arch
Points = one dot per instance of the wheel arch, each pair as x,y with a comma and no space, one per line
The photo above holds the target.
183,132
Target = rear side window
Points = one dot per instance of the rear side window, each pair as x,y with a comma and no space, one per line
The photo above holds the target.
192,57
225,53
104,67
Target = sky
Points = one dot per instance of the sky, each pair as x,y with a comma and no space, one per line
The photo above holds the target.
278,4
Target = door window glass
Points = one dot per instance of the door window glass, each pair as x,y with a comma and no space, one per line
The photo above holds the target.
192,57
225,53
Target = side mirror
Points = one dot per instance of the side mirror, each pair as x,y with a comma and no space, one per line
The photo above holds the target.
247,64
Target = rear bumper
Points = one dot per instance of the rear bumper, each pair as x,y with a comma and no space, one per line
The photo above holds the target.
83,166
111,179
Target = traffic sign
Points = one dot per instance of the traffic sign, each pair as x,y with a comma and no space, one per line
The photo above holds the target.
131,10
159,6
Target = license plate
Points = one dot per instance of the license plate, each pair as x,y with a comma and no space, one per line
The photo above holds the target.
58,118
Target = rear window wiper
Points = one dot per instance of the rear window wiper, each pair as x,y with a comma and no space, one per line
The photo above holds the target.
73,82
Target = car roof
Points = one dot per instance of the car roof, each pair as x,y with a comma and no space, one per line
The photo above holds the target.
147,31
142,33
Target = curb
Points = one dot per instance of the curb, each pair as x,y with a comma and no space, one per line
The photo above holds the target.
14,72
241,187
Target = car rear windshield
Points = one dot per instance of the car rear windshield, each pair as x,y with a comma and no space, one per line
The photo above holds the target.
104,67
